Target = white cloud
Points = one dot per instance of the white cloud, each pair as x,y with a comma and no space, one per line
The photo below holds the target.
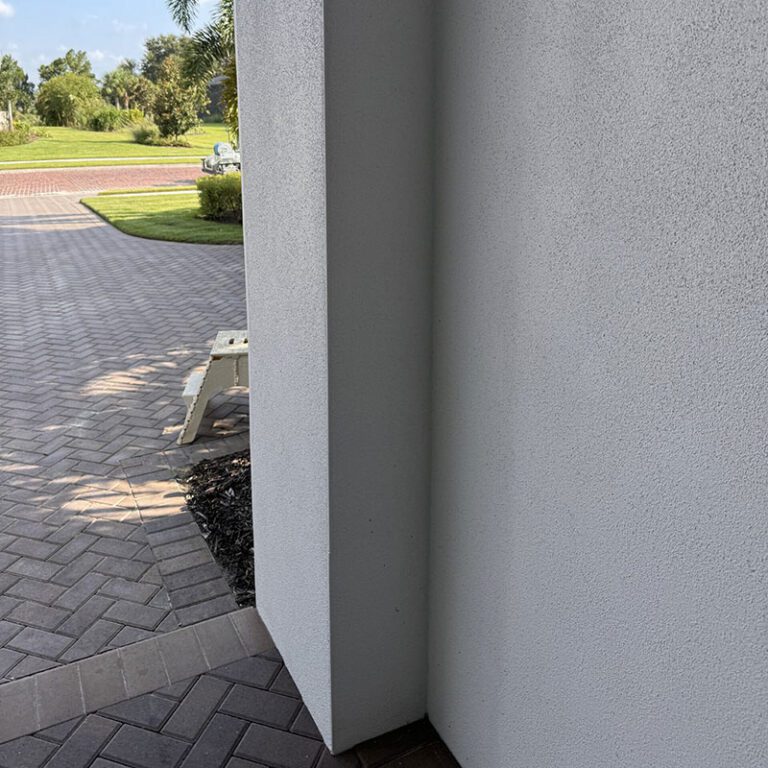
97,55
120,26
6,9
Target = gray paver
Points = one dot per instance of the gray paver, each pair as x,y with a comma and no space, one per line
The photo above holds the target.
92,640
8,630
31,589
193,576
77,568
7,605
8,659
30,665
26,752
206,610
27,566
197,707
200,592
143,667
148,711
36,615
84,744
128,590
215,743
135,614
284,684
277,747
143,748
58,694
31,548
260,706
73,549
254,670
182,654
80,591
85,616
40,642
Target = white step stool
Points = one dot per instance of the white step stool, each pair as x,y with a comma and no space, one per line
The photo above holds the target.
227,367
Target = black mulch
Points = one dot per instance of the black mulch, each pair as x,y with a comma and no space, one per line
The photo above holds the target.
219,498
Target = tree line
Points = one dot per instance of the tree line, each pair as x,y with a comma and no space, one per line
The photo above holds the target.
170,88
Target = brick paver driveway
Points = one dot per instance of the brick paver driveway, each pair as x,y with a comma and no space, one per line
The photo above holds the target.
120,642
63,180
97,332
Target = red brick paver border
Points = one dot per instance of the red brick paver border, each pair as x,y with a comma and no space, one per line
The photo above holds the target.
63,180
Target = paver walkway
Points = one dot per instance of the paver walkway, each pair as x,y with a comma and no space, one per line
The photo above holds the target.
97,332
69,180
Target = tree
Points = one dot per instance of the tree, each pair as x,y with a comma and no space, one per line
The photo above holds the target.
176,103
157,50
74,62
211,50
15,87
67,99
124,88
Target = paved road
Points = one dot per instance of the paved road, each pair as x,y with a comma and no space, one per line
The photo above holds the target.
71,180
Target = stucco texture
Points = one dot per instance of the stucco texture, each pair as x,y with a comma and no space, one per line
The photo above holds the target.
281,86
599,540
336,116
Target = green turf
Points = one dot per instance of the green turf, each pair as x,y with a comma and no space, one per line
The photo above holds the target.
71,143
145,190
95,164
164,217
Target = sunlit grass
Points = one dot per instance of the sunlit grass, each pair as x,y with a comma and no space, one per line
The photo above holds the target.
171,217
71,143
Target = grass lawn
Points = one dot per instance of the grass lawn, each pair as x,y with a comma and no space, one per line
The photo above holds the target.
148,190
163,217
71,143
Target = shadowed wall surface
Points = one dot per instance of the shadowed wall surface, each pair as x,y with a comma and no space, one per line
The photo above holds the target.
599,536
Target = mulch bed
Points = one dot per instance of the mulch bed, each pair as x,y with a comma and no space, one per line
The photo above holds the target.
219,498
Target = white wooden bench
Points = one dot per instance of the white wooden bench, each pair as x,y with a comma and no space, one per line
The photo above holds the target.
227,367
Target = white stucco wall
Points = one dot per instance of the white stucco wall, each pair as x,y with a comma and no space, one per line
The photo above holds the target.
336,119
282,102
599,554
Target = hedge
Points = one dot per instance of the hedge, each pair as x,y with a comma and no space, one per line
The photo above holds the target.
221,197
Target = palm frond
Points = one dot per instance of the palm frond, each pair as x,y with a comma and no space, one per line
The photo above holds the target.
183,12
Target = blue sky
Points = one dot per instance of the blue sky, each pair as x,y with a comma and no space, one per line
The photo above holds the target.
36,31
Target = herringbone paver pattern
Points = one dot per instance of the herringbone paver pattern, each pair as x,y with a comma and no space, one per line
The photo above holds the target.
97,332
247,714
68,180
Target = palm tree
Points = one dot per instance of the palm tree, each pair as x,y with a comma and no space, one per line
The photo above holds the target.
211,49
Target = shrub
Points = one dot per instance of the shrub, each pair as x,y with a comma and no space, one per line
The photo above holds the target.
129,117
148,134
68,100
145,133
21,134
105,118
221,197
